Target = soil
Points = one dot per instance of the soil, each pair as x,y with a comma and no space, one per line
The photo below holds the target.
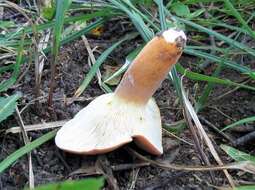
51,164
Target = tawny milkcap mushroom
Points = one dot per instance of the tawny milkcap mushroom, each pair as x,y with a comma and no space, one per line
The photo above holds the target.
130,113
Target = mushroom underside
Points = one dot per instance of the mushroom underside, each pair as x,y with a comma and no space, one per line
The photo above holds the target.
109,122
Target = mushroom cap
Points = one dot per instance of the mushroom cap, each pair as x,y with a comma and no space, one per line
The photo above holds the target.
172,35
109,122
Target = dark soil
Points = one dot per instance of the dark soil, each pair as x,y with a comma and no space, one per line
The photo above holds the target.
51,164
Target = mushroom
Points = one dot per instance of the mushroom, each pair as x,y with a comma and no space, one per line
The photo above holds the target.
130,113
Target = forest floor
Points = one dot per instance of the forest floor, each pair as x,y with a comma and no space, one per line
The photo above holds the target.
51,164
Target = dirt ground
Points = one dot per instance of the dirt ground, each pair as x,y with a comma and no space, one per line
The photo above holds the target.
51,164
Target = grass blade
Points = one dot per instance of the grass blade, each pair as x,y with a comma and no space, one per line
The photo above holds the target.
61,8
236,14
78,34
237,155
137,20
25,149
227,63
90,184
162,16
7,106
245,187
16,67
85,30
240,122
207,91
6,68
67,39
201,77
228,40
82,18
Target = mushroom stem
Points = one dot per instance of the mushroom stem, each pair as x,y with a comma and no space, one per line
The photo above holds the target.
151,66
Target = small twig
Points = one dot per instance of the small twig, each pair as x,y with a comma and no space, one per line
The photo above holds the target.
201,131
1,13
168,166
26,141
37,127
221,112
52,79
198,141
129,166
231,35
19,9
58,154
134,178
35,5
39,63
230,91
7,55
244,139
43,99
216,129
175,136
104,165
91,56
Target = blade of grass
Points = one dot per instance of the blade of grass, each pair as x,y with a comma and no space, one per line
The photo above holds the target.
67,39
16,67
238,16
143,16
237,155
7,106
227,63
89,184
61,8
98,63
245,187
207,91
162,16
105,12
137,20
240,122
228,40
218,23
6,68
9,160
78,34
201,77
14,44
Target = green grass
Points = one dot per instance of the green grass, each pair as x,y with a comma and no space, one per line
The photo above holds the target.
89,184
61,8
18,42
25,149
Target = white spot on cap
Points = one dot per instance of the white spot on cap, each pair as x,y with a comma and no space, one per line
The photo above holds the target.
171,35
